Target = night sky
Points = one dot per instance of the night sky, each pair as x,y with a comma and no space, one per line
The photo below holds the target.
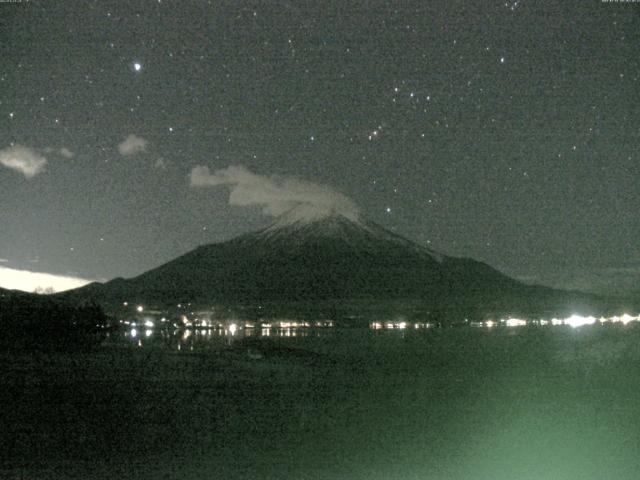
507,132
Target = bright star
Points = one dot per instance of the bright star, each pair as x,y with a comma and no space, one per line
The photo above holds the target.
137,66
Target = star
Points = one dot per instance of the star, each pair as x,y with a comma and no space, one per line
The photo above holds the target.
137,66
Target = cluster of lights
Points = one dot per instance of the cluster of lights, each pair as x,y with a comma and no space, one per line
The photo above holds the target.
574,321
189,327
193,320
514,322
399,325
233,327
292,324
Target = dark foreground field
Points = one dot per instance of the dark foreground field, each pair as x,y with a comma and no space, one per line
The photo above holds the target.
528,403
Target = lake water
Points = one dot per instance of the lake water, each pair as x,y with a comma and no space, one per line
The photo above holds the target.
533,402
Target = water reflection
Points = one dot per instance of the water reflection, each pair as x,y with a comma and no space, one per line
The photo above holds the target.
217,334
574,321
399,325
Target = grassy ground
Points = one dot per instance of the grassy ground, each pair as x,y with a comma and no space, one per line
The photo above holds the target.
446,404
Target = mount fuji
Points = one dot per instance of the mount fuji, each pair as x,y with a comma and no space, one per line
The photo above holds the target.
313,256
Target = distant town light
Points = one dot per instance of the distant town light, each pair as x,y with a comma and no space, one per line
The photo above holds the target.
626,318
516,322
140,308
578,321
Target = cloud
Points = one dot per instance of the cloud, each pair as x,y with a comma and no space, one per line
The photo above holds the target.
132,145
4,260
275,194
160,164
66,153
23,159
63,152
30,281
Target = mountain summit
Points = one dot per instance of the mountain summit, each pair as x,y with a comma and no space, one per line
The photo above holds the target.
303,227
309,213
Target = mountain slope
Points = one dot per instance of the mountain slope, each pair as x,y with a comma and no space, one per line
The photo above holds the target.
307,258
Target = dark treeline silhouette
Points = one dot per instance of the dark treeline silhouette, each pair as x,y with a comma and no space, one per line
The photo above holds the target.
31,321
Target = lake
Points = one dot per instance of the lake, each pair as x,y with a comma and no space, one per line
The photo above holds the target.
529,402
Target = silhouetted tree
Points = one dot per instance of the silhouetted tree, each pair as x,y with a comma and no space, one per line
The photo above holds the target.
37,321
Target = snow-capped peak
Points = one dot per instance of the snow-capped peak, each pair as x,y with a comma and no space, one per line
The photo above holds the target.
308,222
305,214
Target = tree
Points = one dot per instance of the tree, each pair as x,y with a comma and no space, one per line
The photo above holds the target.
44,290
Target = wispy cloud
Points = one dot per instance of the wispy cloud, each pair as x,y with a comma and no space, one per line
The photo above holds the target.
274,194
66,153
23,159
63,152
28,281
4,260
132,145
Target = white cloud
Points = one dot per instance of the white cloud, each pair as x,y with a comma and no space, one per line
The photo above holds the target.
27,281
4,260
132,145
23,159
66,153
275,194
